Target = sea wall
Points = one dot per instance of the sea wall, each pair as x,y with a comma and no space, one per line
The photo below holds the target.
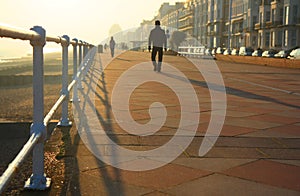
275,62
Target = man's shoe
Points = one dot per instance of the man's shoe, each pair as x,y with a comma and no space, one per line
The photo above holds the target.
158,69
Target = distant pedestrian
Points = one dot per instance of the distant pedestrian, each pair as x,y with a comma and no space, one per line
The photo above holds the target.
112,44
158,41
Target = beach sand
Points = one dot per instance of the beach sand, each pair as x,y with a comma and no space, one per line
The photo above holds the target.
17,109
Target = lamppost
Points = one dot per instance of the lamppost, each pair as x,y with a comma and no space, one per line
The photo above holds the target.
229,25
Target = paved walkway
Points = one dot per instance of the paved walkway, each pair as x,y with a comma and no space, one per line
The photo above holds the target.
257,152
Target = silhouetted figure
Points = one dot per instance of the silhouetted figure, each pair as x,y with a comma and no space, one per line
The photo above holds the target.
158,40
112,44
259,52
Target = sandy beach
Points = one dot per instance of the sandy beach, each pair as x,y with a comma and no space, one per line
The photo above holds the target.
16,113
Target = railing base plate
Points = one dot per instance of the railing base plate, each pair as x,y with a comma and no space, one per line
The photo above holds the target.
40,183
74,100
64,124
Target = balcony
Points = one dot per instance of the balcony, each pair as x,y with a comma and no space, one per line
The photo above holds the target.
185,14
276,23
257,26
211,33
269,24
249,29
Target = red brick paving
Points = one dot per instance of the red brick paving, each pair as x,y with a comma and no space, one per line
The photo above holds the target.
258,118
269,172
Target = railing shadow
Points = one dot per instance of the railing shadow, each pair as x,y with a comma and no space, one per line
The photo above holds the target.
109,175
231,91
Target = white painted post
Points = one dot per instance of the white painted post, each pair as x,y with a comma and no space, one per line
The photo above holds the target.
75,92
38,179
85,61
80,52
64,122
79,85
84,49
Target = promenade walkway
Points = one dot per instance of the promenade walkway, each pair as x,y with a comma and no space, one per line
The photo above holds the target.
257,152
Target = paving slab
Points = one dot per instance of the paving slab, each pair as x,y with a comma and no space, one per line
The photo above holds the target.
269,172
152,179
211,164
257,152
255,124
218,184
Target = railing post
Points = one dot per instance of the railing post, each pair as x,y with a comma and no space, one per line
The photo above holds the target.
38,179
80,51
86,61
79,85
64,122
75,70
84,49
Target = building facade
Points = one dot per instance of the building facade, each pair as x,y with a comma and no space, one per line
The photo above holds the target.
278,25
265,24
171,18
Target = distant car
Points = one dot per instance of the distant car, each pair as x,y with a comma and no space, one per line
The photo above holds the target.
281,54
213,52
208,52
235,52
226,52
219,50
290,50
245,51
265,54
269,53
257,52
295,54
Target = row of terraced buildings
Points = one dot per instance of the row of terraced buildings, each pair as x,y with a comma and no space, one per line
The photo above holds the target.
266,24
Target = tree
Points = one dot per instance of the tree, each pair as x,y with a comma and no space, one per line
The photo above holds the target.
115,28
176,39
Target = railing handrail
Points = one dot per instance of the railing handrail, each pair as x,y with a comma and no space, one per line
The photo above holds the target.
191,50
22,34
36,140
191,47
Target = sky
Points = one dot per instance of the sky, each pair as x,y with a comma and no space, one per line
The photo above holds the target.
88,20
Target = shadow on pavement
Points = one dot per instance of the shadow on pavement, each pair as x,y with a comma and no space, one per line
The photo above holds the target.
232,91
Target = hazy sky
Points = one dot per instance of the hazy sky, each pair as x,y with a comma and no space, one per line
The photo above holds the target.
88,20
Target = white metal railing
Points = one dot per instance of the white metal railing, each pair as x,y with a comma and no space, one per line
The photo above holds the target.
37,37
193,51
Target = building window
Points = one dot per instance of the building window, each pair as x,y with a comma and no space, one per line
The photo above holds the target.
279,38
287,10
254,20
293,38
260,17
273,16
268,16
215,42
254,41
259,40
295,13
286,36
273,39
267,39
281,16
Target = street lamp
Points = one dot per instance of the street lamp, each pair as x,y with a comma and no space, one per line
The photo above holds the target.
229,25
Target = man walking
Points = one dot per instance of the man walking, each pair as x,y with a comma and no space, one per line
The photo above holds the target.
158,40
112,44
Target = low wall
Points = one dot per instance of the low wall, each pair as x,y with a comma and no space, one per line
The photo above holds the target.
275,62
8,81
